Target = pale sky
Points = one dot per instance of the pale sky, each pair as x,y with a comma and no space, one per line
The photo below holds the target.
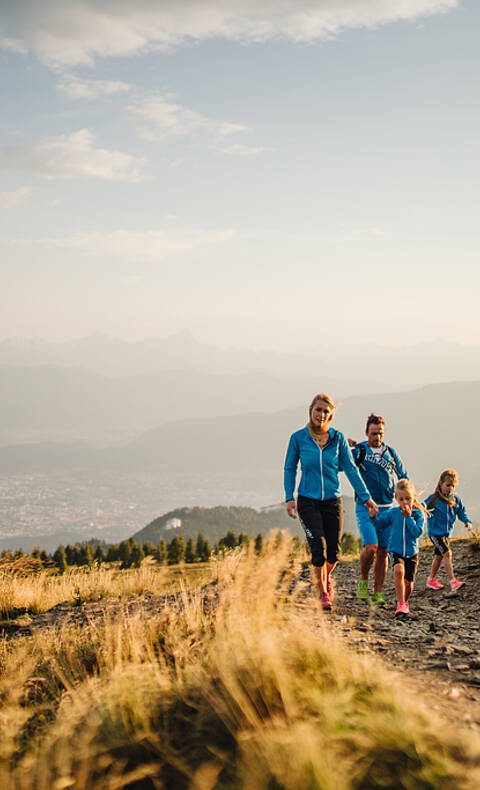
261,174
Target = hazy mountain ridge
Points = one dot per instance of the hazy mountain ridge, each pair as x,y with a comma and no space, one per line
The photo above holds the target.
54,403
432,428
347,368
104,390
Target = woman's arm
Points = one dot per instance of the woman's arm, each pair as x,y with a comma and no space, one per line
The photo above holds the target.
290,469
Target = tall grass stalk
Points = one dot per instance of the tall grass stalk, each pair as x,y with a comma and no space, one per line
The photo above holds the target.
252,692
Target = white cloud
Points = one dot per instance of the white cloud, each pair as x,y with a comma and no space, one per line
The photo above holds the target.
238,149
158,117
90,89
152,245
71,156
13,45
14,199
79,31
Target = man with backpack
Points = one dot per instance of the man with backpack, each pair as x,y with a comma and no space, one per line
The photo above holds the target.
381,467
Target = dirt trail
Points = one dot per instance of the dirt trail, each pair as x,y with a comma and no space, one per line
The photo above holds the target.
437,646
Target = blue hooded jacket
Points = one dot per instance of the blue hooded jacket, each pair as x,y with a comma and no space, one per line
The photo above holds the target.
442,519
380,471
404,530
320,467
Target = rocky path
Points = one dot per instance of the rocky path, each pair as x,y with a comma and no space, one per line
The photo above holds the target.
437,646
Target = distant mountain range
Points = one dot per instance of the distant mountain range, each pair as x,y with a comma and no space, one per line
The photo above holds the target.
433,428
102,390
51,403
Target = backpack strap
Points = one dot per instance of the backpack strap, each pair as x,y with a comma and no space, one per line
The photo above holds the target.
359,459
393,462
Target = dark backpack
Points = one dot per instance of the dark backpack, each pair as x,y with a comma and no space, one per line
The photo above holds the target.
363,451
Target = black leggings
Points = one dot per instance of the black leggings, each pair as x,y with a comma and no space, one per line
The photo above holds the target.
322,521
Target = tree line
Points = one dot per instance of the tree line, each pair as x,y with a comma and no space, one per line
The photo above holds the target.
130,554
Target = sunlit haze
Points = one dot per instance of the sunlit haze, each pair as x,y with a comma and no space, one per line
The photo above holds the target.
257,175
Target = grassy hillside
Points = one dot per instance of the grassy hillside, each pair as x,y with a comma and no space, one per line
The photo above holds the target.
215,522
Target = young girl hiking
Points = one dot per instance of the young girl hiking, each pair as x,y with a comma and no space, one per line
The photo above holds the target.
406,525
444,508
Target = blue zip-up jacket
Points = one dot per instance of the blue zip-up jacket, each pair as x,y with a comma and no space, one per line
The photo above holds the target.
404,530
442,519
380,471
320,466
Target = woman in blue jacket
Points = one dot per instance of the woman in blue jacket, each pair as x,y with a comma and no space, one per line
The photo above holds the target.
322,452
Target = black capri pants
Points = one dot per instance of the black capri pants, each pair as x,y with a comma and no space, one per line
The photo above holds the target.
322,520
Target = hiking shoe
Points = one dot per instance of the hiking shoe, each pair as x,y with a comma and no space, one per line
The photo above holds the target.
433,584
455,584
325,602
378,599
362,591
330,589
402,608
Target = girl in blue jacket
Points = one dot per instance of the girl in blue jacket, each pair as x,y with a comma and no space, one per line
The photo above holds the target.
444,508
322,452
406,525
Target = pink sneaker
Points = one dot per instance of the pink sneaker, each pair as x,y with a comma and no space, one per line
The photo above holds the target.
433,584
455,584
325,601
330,589
402,608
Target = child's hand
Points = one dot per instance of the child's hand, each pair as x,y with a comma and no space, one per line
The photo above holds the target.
468,526
352,442
406,510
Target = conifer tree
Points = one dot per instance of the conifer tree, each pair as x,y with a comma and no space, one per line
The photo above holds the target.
60,559
148,548
259,543
86,555
176,550
230,539
99,555
199,545
190,554
112,553
70,554
206,551
161,552
125,553
136,556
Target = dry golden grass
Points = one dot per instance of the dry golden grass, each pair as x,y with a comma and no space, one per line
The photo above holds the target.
35,593
253,693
